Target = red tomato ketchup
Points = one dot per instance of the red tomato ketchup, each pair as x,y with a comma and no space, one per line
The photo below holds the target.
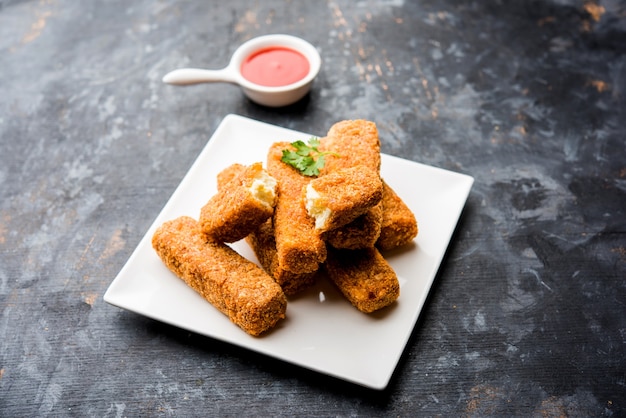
275,66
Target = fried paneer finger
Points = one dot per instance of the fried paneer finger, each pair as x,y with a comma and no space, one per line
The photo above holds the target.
399,225
341,196
229,173
236,286
240,205
351,142
363,232
299,247
263,244
364,277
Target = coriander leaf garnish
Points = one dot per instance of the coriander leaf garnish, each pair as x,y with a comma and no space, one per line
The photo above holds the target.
306,158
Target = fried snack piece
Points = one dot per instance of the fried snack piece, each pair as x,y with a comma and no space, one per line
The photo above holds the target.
263,244
228,174
399,225
341,196
353,142
234,285
363,232
240,205
299,247
364,277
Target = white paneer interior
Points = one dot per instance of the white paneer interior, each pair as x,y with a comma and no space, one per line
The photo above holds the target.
263,188
315,208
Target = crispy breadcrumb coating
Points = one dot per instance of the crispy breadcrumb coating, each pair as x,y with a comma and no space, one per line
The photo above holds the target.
399,226
229,173
353,142
364,277
240,205
363,232
236,286
341,196
263,244
299,247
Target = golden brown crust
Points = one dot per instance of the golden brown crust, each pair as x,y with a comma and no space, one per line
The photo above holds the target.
346,194
233,212
363,232
352,142
364,277
263,244
234,285
399,226
229,173
299,247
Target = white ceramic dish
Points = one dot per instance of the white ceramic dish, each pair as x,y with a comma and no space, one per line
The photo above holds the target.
322,332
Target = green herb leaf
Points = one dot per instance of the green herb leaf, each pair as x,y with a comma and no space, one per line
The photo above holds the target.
306,158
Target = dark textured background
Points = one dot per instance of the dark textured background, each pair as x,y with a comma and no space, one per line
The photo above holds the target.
527,316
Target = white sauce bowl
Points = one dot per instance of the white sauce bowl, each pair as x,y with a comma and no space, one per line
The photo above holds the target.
264,95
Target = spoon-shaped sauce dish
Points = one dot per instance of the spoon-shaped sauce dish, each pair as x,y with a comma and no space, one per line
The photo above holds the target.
271,70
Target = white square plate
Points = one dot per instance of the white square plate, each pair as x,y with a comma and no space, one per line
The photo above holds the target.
322,332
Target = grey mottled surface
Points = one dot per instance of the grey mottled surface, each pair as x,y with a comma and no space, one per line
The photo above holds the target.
527,316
